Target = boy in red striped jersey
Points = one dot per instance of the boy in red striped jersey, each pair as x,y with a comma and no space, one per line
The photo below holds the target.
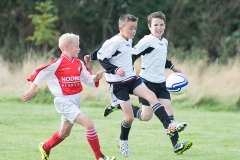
64,76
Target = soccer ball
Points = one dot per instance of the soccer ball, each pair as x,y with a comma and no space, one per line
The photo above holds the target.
177,83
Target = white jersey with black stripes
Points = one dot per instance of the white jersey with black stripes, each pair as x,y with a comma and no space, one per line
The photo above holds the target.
153,54
116,53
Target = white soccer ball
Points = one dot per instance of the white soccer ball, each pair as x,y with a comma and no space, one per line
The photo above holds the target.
177,83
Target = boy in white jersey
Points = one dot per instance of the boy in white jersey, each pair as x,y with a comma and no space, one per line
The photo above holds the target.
64,76
115,56
153,51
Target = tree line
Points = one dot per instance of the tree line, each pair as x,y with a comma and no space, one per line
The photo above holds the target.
209,26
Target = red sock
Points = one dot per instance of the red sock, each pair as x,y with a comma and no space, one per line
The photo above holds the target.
93,141
52,142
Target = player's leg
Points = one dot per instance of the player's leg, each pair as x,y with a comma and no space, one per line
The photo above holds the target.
125,128
57,137
178,147
114,105
143,92
146,113
64,107
165,99
158,109
167,105
182,147
111,108
137,112
91,136
122,91
127,121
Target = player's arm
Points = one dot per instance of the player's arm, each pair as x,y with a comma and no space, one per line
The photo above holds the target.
98,76
91,57
104,55
26,96
40,74
140,49
145,51
109,67
88,78
171,66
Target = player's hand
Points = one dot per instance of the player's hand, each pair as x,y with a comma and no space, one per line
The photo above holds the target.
26,96
176,69
120,72
87,59
98,76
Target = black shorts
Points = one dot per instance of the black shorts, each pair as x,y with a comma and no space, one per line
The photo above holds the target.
158,88
122,91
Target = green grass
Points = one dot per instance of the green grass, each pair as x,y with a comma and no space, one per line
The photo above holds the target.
23,125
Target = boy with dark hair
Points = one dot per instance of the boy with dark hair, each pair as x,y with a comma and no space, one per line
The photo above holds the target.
153,51
115,56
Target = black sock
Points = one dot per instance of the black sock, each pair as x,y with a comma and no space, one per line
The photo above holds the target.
136,112
174,139
162,115
171,117
125,129
119,107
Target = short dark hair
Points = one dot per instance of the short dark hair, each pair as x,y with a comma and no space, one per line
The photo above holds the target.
124,18
158,14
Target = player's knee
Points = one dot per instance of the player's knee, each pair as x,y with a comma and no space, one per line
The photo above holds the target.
129,120
64,134
146,117
151,98
89,125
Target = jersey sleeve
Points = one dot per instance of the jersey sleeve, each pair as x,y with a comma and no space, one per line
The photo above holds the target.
93,55
105,53
87,77
168,64
44,72
141,48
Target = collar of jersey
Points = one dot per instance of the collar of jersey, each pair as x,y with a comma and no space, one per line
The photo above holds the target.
122,36
64,55
156,37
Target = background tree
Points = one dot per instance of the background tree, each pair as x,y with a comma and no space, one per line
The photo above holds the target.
44,30
199,28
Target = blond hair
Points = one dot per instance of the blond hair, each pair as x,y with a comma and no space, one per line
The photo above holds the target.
124,18
67,38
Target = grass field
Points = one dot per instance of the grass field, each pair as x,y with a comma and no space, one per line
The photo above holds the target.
23,125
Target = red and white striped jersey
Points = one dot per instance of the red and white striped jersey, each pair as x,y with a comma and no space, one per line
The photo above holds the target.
64,76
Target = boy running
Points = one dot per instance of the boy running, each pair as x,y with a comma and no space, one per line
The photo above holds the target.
115,56
64,76
153,51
